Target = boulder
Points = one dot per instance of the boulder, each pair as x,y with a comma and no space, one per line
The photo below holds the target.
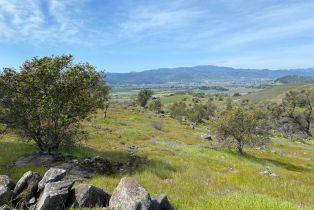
6,195
161,202
52,175
29,191
90,197
6,181
130,195
55,196
23,182
206,136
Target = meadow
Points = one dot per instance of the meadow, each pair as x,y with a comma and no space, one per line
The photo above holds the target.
191,171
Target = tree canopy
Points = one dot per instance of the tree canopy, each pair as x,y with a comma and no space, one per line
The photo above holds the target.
48,97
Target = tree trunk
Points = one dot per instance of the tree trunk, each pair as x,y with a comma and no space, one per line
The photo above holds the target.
240,147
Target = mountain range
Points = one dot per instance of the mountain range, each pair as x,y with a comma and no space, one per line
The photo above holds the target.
201,74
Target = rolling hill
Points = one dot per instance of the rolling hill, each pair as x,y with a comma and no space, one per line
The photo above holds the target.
200,74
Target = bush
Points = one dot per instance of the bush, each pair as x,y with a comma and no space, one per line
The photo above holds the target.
143,96
156,106
178,110
48,97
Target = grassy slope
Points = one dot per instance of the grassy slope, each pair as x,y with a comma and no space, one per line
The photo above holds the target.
274,94
186,169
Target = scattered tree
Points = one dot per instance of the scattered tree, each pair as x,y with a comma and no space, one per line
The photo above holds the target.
241,126
48,97
298,109
143,96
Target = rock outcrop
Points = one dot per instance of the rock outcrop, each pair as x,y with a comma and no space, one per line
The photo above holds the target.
54,191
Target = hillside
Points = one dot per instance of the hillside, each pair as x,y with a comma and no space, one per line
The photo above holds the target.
294,79
274,94
186,168
200,74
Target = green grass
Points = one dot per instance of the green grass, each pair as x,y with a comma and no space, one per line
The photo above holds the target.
274,94
184,167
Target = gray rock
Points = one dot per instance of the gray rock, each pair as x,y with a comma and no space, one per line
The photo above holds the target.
6,181
161,202
5,207
52,175
90,196
6,195
22,182
206,136
268,172
29,191
130,195
55,196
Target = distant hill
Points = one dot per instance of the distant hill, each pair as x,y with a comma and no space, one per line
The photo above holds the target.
294,79
200,74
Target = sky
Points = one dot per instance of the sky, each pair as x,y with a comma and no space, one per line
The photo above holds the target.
135,35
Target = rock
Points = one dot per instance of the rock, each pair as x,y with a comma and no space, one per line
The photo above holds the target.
161,202
29,191
6,181
20,185
52,175
32,201
76,171
206,136
268,172
6,195
5,207
130,195
55,196
90,197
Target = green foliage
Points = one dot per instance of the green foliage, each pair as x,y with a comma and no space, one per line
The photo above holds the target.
201,111
296,111
228,103
178,110
48,97
241,126
143,96
156,106
294,79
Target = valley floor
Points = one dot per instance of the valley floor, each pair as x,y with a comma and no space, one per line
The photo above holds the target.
187,168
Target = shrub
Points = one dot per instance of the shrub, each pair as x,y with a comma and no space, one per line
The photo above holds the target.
156,106
143,96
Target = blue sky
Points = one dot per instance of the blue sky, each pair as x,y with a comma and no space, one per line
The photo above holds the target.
134,35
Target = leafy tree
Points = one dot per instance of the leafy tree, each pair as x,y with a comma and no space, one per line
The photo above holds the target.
48,97
143,96
156,106
241,126
178,110
197,113
297,107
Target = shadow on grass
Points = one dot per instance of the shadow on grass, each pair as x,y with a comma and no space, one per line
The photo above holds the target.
130,163
265,161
